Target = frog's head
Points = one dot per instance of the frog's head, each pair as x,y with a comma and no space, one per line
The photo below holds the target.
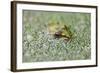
54,27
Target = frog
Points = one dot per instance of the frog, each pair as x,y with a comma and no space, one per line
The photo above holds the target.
60,30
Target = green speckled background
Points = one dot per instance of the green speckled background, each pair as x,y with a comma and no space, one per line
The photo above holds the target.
39,46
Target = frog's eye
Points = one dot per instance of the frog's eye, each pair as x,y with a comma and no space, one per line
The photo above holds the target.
58,34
